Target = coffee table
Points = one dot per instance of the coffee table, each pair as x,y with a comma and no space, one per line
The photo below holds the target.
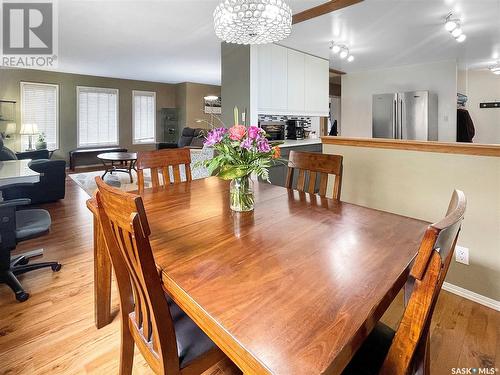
126,162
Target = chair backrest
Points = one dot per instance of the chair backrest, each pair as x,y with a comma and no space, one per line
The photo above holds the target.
408,349
161,161
311,167
142,300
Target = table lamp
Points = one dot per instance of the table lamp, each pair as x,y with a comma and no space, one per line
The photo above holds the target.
30,130
10,129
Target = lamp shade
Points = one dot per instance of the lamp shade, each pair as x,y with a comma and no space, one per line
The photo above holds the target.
29,129
10,128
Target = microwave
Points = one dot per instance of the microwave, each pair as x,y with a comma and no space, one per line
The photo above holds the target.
275,130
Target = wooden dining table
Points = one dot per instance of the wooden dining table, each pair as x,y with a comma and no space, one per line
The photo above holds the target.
293,287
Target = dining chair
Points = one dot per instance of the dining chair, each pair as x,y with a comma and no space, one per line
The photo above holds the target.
406,351
160,161
168,339
311,167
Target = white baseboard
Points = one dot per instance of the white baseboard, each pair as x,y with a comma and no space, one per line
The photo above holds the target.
486,301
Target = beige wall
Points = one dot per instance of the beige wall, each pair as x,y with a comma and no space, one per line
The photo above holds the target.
482,86
358,89
419,185
189,100
10,89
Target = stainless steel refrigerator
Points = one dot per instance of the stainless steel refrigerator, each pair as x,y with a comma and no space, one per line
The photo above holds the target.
405,115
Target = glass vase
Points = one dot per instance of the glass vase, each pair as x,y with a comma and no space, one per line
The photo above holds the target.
241,194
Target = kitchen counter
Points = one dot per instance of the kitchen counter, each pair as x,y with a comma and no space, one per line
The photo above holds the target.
300,142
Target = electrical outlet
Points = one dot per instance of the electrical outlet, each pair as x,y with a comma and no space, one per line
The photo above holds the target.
462,254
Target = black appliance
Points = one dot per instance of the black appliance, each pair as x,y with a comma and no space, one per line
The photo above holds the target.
275,130
295,129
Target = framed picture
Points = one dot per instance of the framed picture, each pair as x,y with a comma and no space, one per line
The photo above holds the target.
213,106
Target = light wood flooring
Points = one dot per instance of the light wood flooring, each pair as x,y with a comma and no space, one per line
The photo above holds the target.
54,333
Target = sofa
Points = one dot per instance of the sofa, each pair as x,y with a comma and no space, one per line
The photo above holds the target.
52,184
190,137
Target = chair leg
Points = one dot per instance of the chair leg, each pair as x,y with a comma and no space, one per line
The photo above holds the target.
126,349
11,280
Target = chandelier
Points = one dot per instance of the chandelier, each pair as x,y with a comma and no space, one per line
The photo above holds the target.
252,21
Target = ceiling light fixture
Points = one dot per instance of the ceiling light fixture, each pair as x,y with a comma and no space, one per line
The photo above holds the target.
252,21
457,32
495,69
452,25
342,50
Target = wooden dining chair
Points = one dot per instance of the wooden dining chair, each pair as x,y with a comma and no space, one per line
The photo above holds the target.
161,161
168,339
406,351
312,166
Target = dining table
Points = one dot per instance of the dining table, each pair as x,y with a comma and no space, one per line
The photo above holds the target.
293,287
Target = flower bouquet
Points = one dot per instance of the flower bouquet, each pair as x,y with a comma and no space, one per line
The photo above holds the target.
241,151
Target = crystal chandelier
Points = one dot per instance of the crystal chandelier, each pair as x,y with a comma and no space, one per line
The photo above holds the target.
252,21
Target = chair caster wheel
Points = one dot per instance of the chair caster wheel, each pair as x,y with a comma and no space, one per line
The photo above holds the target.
23,296
56,267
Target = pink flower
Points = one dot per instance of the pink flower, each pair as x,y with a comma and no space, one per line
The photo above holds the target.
254,132
237,132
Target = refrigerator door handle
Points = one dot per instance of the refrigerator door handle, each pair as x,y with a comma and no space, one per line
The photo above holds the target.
400,122
395,119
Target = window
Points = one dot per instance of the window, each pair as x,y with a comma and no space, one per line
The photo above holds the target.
97,116
144,116
40,106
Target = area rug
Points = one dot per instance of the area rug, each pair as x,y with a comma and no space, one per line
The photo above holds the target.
121,180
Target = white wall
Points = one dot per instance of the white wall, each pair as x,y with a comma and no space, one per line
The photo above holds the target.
482,86
358,89
419,184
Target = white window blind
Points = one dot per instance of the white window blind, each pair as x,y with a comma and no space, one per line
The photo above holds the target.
40,106
97,116
144,116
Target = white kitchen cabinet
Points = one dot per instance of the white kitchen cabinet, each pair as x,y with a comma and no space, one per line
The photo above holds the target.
296,80
272,77
316,85
291,82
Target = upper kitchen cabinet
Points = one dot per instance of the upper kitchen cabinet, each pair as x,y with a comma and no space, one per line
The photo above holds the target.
272,77
316,85
296,80
290,82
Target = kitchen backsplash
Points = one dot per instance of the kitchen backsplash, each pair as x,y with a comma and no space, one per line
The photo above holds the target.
307,120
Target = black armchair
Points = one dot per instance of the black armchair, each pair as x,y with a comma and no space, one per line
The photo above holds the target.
15,226
190,137
33,155
52,185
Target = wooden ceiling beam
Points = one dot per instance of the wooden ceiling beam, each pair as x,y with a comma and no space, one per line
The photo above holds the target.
339,72
319,10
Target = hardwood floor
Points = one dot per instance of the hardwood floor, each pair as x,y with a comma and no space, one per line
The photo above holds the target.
53,332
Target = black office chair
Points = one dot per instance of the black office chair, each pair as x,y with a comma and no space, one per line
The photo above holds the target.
15,226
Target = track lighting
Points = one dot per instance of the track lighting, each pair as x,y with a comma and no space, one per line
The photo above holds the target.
343,53
495,69
452,25
342,50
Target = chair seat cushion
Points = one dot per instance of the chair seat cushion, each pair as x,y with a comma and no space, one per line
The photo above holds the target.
369,358
30,223
191,340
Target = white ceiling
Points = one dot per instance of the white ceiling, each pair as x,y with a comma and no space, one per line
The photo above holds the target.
174,41
385,33
161,40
